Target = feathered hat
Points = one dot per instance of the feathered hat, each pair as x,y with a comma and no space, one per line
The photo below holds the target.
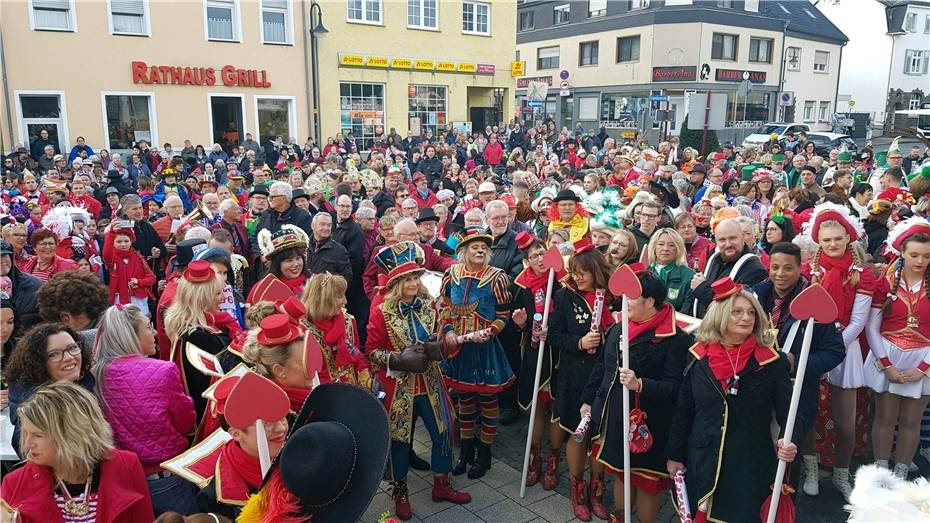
60,220
919,182
831,211
288,237
895,148
904,230
606,208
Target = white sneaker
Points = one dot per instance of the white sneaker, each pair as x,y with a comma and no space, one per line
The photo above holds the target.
913,467
841,482
811,485
925,452
900,470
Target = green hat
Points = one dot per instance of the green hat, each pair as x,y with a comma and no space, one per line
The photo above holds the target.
894,149
778,158
844,157
881,159
747,171
924,172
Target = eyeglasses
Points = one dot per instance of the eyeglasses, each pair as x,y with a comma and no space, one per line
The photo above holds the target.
72,350
45,244
648,216
737,313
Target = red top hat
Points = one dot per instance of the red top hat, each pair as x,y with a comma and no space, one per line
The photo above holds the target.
509,200
293,308
724,288
199,272
276,330
583,245
638,268
524,240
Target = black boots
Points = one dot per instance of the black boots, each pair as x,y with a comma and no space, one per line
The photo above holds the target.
466,457
484,462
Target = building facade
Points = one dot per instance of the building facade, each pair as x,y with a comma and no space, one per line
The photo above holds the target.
415,65
909,68
634,65
119,71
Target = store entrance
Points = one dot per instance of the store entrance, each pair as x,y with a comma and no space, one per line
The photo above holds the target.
226,120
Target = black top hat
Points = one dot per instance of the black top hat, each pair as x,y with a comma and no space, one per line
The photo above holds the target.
186,251
259,189
299,193
336,451
427,215
567,194
114,174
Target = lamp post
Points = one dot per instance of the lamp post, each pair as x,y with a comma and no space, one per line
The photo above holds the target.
316,30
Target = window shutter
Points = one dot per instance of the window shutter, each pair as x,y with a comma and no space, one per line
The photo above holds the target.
908,55
275,4
127,7
63,5
926,66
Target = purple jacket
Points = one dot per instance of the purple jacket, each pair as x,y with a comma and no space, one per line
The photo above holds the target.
148,409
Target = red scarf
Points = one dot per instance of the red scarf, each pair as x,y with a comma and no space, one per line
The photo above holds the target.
726,363
664,319
295,284
126,265
296,395
225,323
334,335
835,280
534,282
246,467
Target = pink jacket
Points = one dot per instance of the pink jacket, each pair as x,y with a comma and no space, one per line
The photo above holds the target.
148,409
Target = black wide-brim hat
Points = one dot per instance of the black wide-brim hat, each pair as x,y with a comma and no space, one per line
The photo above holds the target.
334,456
567,195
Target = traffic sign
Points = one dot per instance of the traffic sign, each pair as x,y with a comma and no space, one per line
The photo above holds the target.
852,103
564,85
534,103
565,92
659,98
563,74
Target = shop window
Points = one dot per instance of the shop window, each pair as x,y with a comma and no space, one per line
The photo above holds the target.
624,111
276,22
793,57
53,15
274,117
587,53
527,20
747,111
628,49
821,61
476,18
561,14
222,20
129,17
130,118
422,14
362,111
365,11
760,50
723,46
428,104
547,57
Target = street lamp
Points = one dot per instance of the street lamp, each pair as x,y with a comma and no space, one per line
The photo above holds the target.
316,30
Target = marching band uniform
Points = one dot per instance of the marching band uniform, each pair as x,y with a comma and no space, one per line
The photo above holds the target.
344,361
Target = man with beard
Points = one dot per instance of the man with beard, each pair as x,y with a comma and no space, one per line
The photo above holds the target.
504,252
231,221
565,213
733,258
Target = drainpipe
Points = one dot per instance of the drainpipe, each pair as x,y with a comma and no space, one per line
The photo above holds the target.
836,92
303,36
6,98
781,71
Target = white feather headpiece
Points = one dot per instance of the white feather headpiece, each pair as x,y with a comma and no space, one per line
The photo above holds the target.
901,228
287,237
842,210
881,496
60,220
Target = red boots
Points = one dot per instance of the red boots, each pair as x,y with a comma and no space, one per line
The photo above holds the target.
596,496
579,494
535,468
551,477
443,491
401,500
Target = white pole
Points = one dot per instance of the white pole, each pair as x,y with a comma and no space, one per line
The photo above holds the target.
625,347
792,414
539,360
264,455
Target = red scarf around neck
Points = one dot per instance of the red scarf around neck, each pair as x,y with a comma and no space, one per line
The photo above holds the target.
534,281
726,362
243,466
663,319
295,284
225,323
335,335
126,265
836,272
296,395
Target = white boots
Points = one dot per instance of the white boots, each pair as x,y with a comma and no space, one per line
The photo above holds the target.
900,470
811,485
841,481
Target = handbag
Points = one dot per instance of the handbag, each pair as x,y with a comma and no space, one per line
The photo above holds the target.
640,435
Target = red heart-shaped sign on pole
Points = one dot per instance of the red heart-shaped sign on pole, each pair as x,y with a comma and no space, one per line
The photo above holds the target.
623,282
553,259
814,302
255,397
313,355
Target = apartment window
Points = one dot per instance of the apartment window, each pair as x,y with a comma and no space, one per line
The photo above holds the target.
587,53
910,22
128,17
628,49
365,11
276,22
639,4
927,24
275,117
751,5
915,62
914,103
527,20
793,58
422,14
361,111
476,18
821,61
809,108
428,103
597,8
824,114
723,46
222,20
130,118
547,57
760,50
53,15
560,14
725,3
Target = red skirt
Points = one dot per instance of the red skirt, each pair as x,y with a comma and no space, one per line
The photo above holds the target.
645,480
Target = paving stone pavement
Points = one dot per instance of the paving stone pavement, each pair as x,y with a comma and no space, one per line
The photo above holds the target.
496,496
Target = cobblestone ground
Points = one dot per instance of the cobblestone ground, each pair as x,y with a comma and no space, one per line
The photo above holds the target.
496,497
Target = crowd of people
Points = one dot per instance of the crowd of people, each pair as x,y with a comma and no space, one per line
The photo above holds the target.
175,320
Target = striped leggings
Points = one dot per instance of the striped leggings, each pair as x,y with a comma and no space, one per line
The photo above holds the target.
469,404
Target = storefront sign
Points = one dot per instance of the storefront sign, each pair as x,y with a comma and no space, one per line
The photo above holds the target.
686,73
352,60
446,67
466,67
523,83
229,75
401,63
419,64
424,65
517,68
486,68
377,61
735,75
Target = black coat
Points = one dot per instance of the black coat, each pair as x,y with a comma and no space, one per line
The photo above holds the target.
659,361
273,220
751,273
876,233
329,256
725,441
195,382
431,167
349,234
24,298
383,201
523,299
146,238
505,255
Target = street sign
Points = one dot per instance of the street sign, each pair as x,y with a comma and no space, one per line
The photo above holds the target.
563,74
517,68
537,90
564,85
565,92
659,98
536,104
852,103
697,108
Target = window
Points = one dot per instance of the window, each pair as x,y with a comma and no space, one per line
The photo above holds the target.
910,22
362,111
628,49
560,14
760,50
275,117
915,62
428,103
723,46
587,53
364,11
222,20
276,22
547,57
751,5
639,4
725,3
587,108
914,103
677,2
476,18
128,17
422,14
53,15
527,20
793,58
927,24
824,114
129,118
597,8
821,61
809,108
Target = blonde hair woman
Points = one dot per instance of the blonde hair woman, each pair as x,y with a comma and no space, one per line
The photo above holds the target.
275,350
335,330
667,260
733,360
144,401
194,317
72,470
